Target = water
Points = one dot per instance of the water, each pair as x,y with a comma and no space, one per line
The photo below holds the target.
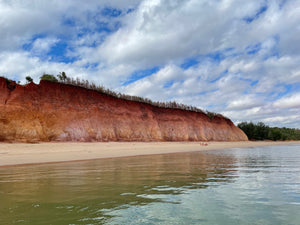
236,186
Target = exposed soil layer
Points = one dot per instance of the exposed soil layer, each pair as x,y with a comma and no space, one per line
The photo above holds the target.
59,112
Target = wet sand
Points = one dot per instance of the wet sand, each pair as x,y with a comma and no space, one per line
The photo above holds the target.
19,153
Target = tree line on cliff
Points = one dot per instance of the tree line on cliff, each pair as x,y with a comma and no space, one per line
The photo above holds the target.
63,78
260,131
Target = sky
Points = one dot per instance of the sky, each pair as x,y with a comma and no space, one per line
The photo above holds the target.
234,57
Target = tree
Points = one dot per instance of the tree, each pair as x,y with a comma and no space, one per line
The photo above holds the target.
260,131
275,134
48,77
28,79
248,128
62,76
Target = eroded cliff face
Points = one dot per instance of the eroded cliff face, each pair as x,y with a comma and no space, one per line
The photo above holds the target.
58,112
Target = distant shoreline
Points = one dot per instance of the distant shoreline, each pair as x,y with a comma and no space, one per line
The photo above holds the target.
23,154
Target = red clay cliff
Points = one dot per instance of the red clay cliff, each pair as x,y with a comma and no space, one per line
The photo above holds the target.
59,112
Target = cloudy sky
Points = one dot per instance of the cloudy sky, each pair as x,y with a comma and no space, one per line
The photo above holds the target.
235,57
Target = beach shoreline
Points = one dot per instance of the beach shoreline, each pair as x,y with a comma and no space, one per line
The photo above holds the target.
13,154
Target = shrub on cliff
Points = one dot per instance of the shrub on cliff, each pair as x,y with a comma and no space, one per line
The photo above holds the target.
48,77
62,76
28,79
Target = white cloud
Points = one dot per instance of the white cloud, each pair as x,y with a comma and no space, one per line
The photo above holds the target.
160,30
242,70
42,46
292,101
244,102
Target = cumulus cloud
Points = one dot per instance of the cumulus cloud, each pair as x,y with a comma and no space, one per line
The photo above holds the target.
240,58
245,102
42,46
165,30
292,101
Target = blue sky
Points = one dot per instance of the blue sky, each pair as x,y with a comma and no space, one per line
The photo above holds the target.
239,58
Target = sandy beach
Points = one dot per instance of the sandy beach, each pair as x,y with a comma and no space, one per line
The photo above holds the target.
19,153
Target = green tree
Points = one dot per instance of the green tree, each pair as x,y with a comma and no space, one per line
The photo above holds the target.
260,131
28,79
48,77
248,128
275,134
62,76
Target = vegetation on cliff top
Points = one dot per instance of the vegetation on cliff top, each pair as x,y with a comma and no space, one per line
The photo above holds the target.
63,78
260,131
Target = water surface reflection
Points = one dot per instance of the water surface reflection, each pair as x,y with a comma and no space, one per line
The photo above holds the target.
238,186
83,192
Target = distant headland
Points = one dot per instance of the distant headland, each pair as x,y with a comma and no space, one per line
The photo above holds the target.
65,109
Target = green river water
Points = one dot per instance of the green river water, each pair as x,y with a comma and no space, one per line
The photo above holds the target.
236,186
